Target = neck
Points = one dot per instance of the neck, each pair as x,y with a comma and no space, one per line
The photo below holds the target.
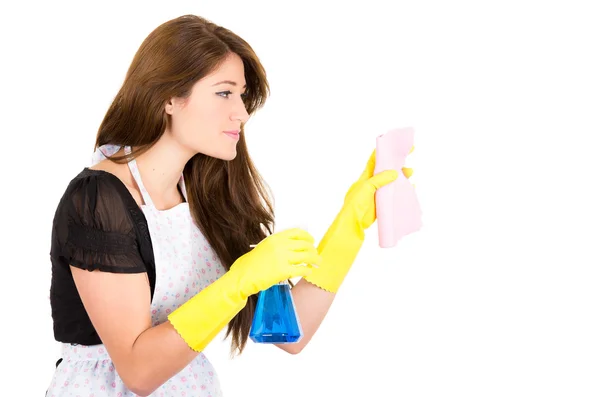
162,165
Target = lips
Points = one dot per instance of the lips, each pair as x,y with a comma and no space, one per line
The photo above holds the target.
235,134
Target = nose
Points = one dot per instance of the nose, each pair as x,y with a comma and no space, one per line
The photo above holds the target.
239,112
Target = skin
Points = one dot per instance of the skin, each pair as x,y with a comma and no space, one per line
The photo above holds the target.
119,304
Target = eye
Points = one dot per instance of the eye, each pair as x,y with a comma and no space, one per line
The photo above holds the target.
225,94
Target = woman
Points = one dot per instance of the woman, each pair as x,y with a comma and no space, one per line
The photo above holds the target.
151,246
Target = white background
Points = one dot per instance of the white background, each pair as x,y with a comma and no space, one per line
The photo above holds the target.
497,295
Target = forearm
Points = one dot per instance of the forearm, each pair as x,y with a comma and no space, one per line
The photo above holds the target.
157,355
313,295
161,352
312,304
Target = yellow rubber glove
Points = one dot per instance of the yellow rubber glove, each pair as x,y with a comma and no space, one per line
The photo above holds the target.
345,236
279,257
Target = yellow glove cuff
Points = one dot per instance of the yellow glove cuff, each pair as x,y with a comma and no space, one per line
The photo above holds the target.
199,320
338,249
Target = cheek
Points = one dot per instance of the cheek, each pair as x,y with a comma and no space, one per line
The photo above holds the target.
189,120
207,116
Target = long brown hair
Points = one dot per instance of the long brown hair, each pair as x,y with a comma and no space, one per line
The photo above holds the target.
229,201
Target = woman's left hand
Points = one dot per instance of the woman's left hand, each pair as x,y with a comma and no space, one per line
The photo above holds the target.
344,238
362,192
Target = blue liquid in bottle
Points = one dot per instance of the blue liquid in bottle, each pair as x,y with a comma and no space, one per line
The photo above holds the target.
275,319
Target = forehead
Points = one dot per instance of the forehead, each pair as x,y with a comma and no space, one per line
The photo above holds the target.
230,70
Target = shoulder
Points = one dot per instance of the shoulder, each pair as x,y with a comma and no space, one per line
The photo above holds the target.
118,173
87,176
97,225
92,184
96,198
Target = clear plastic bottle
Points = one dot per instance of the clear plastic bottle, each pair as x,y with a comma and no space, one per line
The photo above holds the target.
275,318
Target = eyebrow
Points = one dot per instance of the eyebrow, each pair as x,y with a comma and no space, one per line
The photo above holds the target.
233,83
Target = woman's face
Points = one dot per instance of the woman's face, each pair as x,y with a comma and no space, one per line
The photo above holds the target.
210,119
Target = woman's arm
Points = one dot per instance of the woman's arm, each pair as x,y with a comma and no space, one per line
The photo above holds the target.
313,295
312,304
145,357
118,305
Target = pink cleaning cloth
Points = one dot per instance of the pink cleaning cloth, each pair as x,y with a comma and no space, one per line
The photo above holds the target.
397,208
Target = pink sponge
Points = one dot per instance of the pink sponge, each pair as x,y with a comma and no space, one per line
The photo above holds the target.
397,207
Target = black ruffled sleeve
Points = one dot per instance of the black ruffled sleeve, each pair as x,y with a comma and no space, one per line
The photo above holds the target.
93,228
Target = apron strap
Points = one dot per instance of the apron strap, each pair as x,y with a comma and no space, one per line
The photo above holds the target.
138,178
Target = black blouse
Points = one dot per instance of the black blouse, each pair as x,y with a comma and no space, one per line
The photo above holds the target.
97,225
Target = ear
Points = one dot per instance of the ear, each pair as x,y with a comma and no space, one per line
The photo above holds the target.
169,106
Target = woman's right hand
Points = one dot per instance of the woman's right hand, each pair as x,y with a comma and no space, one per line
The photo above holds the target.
281,256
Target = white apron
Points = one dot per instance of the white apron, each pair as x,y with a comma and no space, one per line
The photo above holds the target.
185,264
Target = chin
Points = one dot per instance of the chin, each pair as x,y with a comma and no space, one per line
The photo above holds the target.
225,155
230,156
